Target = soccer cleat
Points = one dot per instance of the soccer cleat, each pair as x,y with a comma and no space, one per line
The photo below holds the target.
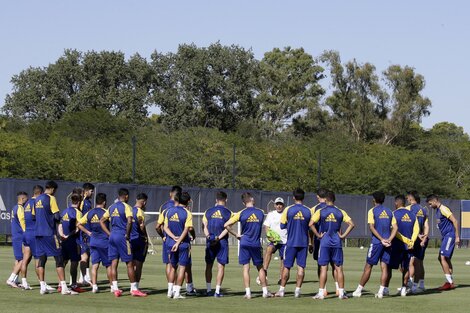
191,293
279,294
246,296
49,288
68,292
117,293
210,293
403,292
318,296
218,295
357,294
77,289
12,284
446,286
59,289
95,290
343,297
379,295
416,291
27,287
296,294
268,295
138,293
386,292
178,297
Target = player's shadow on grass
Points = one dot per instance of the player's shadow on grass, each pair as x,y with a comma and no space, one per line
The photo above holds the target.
293,282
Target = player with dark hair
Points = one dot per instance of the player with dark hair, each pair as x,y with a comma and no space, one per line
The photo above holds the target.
217,247
17,229
120,216
29,238
68,232
177,223
383,227
47,216
331,249
159,228
449,227
98,240
402,244
251,219
295,219
139,241
85,206
416,263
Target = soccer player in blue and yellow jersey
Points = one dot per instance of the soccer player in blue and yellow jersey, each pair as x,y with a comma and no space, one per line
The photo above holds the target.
331,249
17,229
29,238
416,262
139,241
159,228
383,227
68,232
216,241
295,219
314,242
85,206
98,240
177,224
120,216
449,227
402,244
47,217
251,219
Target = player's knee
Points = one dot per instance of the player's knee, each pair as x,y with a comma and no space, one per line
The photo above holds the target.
42,261
59,261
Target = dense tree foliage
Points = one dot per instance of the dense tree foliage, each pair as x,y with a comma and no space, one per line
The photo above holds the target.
74,120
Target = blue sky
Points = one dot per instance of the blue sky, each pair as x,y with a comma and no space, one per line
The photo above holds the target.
431,36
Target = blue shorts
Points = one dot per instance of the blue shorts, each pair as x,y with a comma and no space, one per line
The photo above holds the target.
400,256
418,251
181,257
447,246
326,255
165,253
17,244
71,250
119,247
99,255
248,253
29,240
316,248
139,249
299,254
279,247
84,244
48,246
377,252
219,252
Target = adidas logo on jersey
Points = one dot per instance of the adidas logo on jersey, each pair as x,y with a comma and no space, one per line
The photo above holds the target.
252,219
39,204
383,214
27,208
115,212
299,216
175,218
95,219
217,214
66,218
420,213
406,218
331,218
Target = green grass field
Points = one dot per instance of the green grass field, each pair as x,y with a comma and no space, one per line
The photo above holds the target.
16,300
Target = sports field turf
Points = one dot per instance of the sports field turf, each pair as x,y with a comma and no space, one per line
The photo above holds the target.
458,300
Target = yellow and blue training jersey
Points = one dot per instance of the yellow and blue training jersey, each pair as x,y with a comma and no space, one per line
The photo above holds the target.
295,219
45,207
382,218
29,218
99,238
215,218
408,226
318,207
117,215
17,221
85,206
251,220
68,219
421,214
137,217
444,224
331,219
178,218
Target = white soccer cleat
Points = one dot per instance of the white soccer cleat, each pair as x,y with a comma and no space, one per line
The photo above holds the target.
68,292
178,297
357,294
403,292
27,287
12,284
44,291
279,294
318,296
379,295
49,288
297,294
268,295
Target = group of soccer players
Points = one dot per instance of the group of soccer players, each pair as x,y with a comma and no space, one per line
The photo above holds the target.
109,233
